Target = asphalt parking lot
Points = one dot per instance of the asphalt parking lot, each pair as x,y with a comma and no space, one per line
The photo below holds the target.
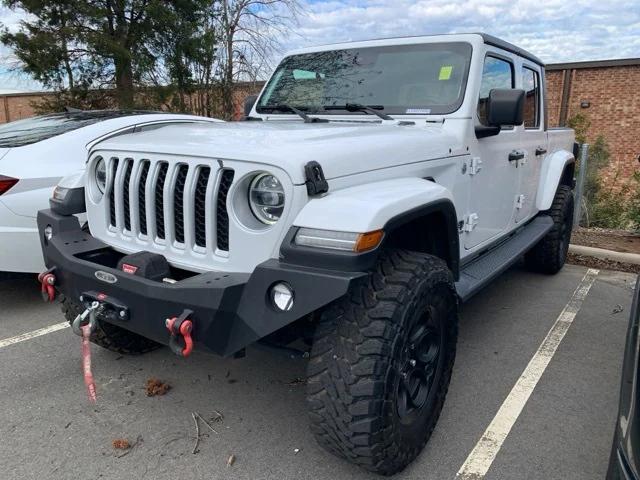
48,430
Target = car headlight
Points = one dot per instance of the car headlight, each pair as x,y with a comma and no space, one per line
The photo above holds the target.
266,198
101,175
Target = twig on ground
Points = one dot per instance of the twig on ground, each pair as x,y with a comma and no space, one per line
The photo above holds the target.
205,422
195,420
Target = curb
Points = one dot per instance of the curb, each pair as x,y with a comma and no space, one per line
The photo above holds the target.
632,258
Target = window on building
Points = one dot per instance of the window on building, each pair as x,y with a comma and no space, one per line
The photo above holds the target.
497,73
531,87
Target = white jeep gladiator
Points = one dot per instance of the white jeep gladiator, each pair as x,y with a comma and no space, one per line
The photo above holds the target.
373,187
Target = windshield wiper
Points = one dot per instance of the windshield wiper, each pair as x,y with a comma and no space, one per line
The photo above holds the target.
358,107
297,111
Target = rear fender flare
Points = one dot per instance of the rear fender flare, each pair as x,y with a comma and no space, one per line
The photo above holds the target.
553,168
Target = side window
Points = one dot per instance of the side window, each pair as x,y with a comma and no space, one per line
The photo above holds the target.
497,73
531,87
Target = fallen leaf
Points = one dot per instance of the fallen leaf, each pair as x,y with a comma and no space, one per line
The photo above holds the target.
155,387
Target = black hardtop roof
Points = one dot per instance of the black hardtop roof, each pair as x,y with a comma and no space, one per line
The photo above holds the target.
488,39
509,47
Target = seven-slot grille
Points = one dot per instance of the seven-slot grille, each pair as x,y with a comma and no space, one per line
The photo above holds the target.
163,201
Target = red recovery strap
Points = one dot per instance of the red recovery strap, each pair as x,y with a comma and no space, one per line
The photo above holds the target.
86,364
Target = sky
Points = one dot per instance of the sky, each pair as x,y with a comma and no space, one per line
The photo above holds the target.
554,30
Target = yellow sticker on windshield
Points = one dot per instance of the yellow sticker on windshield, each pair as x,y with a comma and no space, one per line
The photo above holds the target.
445,72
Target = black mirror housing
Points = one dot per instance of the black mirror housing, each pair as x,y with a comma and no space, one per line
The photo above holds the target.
505,107
249,102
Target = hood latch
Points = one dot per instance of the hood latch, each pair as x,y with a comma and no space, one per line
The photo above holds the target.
315,181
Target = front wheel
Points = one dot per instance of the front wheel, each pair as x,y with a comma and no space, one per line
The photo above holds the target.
381,362
550,253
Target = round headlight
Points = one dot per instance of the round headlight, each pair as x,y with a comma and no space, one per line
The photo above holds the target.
101,175
266,197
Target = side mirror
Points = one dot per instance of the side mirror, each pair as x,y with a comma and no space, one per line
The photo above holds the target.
505,107
249,102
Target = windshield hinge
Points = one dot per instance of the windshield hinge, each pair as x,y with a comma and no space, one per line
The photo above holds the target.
315,181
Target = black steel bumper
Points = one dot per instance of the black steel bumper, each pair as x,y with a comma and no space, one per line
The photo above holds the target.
231,310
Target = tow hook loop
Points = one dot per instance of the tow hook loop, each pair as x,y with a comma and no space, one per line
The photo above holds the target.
180,329
47,285
81,320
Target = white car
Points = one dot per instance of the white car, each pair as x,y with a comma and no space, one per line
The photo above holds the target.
36,153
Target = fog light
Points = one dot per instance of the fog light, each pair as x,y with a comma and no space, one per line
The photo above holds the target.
48,232
282,296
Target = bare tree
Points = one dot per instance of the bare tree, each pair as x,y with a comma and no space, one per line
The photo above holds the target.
249,35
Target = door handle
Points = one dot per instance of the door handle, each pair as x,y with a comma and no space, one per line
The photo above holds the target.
540,151
516,155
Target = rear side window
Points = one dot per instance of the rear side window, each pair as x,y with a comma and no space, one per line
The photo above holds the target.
531,87
497,73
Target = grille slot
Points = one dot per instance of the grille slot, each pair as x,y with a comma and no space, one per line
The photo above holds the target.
112,193
162,177
142,201
222,216
199,210
125,193
178,202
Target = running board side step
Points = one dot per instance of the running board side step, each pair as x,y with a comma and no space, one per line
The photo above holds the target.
479,272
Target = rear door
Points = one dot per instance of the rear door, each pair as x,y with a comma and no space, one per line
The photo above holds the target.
533,140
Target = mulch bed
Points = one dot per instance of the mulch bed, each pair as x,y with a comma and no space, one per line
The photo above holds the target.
602,264
616,240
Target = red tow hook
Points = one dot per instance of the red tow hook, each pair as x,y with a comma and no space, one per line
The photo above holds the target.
181,327
47,281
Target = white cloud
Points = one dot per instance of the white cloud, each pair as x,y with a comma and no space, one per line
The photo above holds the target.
554,30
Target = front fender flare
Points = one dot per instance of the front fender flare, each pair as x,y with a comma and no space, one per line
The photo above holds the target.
365,208
385,205
553,167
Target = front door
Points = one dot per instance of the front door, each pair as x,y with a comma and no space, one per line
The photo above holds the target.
495,180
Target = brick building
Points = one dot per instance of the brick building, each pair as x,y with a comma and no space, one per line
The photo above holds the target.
606,92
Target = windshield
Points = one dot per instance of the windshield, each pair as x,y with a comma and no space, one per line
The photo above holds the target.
400,79
36,129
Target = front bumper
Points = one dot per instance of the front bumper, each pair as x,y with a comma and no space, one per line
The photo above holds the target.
230,310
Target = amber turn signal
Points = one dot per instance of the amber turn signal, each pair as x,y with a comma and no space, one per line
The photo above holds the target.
368,241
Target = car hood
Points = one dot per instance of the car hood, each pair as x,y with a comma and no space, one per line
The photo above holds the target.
341,147
3,152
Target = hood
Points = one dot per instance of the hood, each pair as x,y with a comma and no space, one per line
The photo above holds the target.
342,148
3,152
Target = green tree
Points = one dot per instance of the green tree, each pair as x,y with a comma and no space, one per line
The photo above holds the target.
74,46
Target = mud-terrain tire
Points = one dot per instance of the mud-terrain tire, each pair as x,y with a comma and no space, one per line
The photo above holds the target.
358,398
550,253
111,336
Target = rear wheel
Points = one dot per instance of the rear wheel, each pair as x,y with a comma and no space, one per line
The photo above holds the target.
381,363
550,254
111,336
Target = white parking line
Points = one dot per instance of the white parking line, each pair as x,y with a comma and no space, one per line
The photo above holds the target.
36,333
484,453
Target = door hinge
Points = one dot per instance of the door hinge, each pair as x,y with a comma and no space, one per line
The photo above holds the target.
470,222
475,166
519,201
